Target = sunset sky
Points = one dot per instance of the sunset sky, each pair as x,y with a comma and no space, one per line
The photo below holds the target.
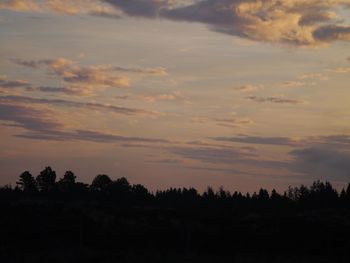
176,93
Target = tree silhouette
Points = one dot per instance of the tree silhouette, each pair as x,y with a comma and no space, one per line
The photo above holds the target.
46,179
140,193
27,182
274,195
121,185
67,183
320,195
68,178
263,195
209,194
101,182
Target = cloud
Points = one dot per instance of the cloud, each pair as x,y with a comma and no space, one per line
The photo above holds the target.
336,140
229,122
173,96
61,67
92,7
321,16
166,161
339,141
40,124
199,120
233,122
69,72
28,118
341,70
9,84
232,171
84,80
76,104
160,71
247,88
86,135
330,33
313,76
211,155
25,85
291,22
141,8
322,162
279,100
300,23
121,97
27,63
230,159
64,90
280,141
292,84
317,157
20,5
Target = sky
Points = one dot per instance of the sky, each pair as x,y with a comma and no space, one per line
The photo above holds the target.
177,93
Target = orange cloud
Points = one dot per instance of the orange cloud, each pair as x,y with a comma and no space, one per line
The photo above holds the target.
81,80
247,88
84,80
299,23
94,7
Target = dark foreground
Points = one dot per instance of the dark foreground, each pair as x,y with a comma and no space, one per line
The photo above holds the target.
114,221
57,232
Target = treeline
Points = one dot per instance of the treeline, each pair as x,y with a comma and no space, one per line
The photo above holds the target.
120,191
49,219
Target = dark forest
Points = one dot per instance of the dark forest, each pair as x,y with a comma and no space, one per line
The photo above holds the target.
45,219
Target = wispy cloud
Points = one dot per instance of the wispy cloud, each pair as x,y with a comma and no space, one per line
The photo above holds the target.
341,70
172,96
315,157
337,141
9,84
278,100
260,140
211,154
41,124
247,88
313,76
64,90
26,117
228,159
292,84
87,135
279,141
78,76
233,122
160,71
86,80
229,122
167,161
77,104
320,162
